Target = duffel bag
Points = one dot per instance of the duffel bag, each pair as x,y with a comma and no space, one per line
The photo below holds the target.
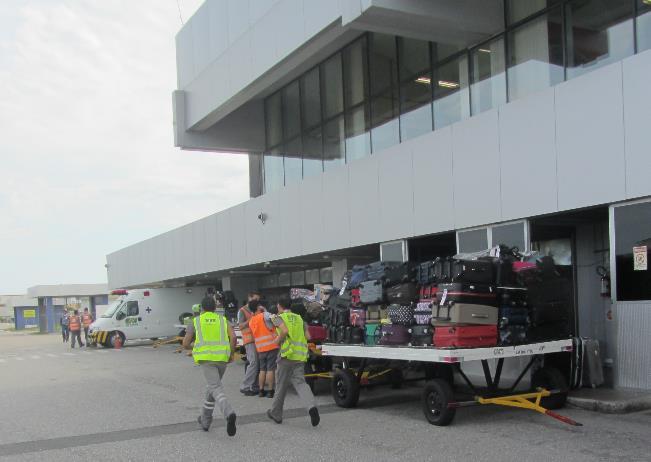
402,293
402,315
371,292
423,312
392,334
421,335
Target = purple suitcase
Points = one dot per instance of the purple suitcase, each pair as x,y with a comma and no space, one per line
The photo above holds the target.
392,334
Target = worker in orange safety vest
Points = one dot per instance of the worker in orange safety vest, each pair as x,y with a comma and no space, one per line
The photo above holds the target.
86,321
264,335
75,329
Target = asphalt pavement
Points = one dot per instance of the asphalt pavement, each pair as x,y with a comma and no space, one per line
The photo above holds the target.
141,403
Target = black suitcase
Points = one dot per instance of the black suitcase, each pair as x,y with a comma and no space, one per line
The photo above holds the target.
421,335
550,331
378,270
513,296
337,334
550,300
402,293
473,271
354,335
371,292
478,294
405,272
510,316
443,270
513,334
339,317
425,273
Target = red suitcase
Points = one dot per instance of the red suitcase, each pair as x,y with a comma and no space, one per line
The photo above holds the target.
462,336
354,297
317,333
428,291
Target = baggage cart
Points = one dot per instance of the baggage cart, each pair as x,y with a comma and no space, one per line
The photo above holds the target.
356,366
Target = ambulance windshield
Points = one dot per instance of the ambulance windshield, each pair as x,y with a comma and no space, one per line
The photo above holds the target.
110,311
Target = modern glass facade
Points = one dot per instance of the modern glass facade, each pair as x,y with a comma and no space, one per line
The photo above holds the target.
381,89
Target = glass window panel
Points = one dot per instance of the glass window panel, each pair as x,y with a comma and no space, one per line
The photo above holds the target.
511,235
414,58
632,229
333,96
416,110
293,161
475,240
644,25
536,55
273,120
488,89
312,152
334,148
358,140
385,131
355,81
384,64
520,9
442,51
274,177
599,32
291,110
451,97
311,98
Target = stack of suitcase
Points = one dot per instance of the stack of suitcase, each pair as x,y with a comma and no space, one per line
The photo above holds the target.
514,319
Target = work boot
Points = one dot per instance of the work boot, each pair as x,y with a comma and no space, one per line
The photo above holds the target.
205,422
271,416
314,416
230,424
262,394
270,394
250,393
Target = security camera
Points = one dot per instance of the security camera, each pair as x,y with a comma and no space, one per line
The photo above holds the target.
262,217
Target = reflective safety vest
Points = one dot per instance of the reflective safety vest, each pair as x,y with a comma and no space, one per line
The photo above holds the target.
211,338
86,319
263,336
247,336
295,345
75,323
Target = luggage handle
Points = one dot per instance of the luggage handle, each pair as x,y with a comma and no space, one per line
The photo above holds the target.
482,316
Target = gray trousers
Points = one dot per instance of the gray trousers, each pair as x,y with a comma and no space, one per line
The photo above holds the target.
250,381
214,371
291,373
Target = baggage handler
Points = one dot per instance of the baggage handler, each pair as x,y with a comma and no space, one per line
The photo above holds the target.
86,321
264,336
249,385
214,345
293,337
75,329
65,321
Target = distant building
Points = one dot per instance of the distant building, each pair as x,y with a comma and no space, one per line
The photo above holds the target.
10,303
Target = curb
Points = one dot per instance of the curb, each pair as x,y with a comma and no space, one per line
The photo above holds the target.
641,403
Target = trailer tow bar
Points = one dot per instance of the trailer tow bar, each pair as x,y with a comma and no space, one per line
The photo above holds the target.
524,401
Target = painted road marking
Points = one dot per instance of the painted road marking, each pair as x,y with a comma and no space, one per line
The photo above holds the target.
2,361
35,357
18,358
69,354
51,355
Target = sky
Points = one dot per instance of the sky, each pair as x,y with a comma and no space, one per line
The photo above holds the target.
87,158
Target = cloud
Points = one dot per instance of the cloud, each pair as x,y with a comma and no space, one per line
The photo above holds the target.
86,153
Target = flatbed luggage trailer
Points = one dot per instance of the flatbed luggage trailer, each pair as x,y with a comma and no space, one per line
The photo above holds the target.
439,401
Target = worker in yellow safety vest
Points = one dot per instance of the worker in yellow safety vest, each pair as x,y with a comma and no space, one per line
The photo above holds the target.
214,346
292,338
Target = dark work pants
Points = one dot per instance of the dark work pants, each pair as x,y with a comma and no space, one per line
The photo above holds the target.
65,333
76,334
86,334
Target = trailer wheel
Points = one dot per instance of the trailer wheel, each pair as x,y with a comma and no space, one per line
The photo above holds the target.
551,378
345,388
436,397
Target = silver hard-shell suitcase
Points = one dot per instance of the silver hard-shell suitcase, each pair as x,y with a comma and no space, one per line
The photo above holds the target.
464,313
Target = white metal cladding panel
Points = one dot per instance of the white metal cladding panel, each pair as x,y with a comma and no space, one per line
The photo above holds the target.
218,29
318,14
253,229
238,18
396,193
200,246
433,182
312,215
224,239
210,237
337,208
633,363
475,150
241,63
289,201
201,55
264,40
637,114
272,229
218,88
238,235
363,201
590,139
528,156
259,8
293,36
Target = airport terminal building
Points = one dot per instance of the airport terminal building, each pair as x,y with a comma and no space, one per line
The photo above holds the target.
407,129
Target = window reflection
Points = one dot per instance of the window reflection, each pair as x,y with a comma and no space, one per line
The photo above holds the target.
333,96
334,150
599,32
273,120
384,91
488,89
312,152
644,25
274,176
415,88
358,138
293,161
451,96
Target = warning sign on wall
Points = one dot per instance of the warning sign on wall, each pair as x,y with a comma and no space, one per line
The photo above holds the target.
29,313
640,258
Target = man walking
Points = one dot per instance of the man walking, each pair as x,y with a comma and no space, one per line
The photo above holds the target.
75,329
214,345
65,320
264,335
249,385
86,321
292,339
